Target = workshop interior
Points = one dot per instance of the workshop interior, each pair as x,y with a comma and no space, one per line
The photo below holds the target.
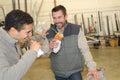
99,20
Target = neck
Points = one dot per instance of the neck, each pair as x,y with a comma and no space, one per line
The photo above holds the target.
11,34
61,29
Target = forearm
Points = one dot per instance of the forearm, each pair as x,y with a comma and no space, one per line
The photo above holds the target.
17,71
82,44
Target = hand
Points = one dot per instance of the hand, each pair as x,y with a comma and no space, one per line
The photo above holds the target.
44,34
53,44
35,46
94,73
55,50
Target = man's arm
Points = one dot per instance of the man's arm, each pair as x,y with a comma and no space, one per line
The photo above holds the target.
82,44
16,71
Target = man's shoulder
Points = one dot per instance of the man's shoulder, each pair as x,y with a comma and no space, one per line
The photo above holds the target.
74,25
71,29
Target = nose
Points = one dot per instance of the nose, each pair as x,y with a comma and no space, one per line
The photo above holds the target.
56,20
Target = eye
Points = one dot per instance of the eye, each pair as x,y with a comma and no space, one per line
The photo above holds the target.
29,32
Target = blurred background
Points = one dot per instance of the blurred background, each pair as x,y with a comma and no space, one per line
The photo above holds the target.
99,20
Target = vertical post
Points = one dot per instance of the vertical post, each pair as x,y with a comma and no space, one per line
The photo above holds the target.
13,3
18,4
99,20
3,11
83,22
25,5
89,25
54,3
92,24
108,27
75,19
116,21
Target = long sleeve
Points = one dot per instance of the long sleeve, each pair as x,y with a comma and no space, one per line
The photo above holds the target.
12,67
82,44
16,71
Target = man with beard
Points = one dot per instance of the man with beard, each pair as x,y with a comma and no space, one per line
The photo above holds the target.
67,62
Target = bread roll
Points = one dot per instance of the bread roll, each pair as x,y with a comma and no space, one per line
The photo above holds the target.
59,36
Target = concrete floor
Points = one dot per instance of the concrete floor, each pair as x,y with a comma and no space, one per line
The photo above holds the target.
108,57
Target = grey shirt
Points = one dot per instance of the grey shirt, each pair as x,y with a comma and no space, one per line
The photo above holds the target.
12,67
82,44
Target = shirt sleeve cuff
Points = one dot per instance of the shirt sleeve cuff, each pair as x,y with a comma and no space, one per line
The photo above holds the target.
39,53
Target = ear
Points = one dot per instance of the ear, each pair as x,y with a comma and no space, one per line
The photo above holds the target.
66,16
13,30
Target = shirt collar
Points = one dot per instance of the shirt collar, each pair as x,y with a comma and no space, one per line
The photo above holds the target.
7,37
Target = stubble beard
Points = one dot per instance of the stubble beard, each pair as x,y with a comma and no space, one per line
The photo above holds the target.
60,25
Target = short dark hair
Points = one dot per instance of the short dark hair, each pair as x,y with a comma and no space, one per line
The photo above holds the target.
16,19
60,7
